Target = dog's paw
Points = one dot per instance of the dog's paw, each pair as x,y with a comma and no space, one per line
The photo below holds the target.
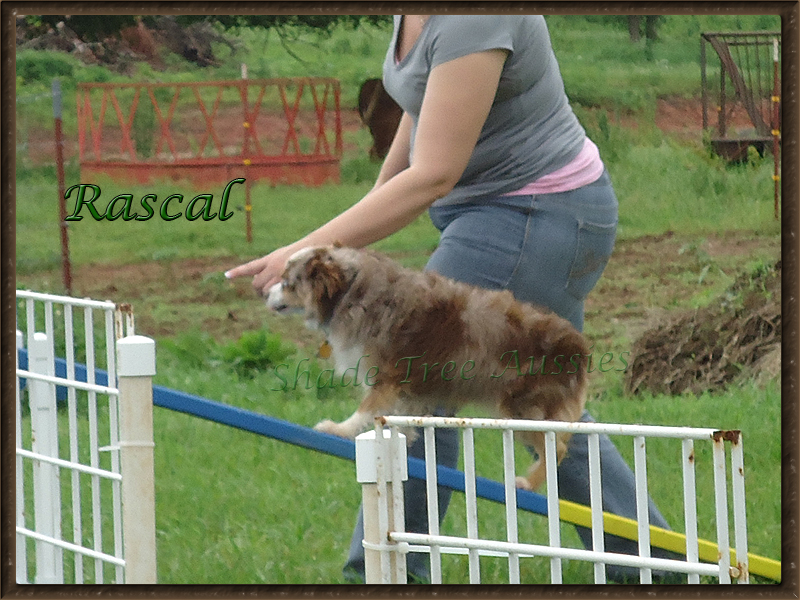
326,426
523,484
410,433
330,427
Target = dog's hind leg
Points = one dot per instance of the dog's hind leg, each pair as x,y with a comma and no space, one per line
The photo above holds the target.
378,401
548,403
570,411
538,471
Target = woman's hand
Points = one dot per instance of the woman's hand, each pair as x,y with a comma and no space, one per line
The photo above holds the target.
266,271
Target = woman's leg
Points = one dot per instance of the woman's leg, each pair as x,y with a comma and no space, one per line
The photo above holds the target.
559,251
619,498
569,243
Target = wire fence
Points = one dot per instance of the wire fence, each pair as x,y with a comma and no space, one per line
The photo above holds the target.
386,542
71,524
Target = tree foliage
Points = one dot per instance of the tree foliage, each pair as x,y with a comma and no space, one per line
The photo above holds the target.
98,27
111,38
317,23
90,28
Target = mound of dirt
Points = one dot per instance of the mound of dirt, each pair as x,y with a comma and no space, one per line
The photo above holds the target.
711,347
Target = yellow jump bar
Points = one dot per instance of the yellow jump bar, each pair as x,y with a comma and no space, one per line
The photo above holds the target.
579,514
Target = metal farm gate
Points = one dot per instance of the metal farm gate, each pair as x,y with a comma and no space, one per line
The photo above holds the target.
282,130
748,84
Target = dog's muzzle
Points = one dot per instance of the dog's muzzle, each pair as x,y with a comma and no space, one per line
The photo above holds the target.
275,298
276,302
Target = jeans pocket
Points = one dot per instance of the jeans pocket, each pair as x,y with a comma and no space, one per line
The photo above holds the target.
592,251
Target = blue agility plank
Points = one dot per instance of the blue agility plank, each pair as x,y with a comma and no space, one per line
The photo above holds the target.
253,422
329,444
297,435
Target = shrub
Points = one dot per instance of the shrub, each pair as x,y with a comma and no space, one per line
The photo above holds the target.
255,351
43,66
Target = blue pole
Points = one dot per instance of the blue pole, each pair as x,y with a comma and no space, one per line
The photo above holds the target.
328,444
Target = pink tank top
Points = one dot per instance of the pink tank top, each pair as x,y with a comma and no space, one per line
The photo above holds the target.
582,170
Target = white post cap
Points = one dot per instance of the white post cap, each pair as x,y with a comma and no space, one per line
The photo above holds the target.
367,452
136,356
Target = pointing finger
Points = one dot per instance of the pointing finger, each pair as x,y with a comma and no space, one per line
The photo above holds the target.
251,268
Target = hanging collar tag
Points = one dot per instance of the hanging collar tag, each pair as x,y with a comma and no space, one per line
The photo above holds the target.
325,350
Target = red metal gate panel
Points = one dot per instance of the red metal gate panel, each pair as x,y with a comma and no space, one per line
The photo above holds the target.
282,130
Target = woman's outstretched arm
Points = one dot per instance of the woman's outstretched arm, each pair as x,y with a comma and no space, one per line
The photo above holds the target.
458,97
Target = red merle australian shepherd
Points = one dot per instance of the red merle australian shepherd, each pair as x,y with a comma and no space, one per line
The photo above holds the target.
424,341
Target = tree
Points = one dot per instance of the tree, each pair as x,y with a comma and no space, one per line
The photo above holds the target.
188,35
97,27
318,23
650,27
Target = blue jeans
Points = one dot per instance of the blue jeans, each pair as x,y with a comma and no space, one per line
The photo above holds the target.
549,250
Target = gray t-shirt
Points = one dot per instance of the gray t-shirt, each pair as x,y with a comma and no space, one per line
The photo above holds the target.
530,131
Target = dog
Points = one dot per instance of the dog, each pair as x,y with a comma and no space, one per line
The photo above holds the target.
420,342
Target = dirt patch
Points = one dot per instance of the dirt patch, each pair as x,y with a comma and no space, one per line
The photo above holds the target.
709,348
682,118
645,280
651,275
685,115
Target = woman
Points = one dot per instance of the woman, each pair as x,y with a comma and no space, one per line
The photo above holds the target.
490,146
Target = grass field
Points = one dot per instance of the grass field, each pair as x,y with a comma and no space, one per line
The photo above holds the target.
234,508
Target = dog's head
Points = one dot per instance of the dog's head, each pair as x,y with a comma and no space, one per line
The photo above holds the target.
313,282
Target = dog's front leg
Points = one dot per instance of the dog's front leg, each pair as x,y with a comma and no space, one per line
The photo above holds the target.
349,428
377,402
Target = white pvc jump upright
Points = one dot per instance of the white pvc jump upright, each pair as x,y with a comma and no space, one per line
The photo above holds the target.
394,542
46,480
83,479
137,365
381,468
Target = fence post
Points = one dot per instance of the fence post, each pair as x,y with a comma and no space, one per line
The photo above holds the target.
776,123
66,266
136,365
374,470
44,440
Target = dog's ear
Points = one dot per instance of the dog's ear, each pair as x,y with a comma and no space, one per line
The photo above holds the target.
328,282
